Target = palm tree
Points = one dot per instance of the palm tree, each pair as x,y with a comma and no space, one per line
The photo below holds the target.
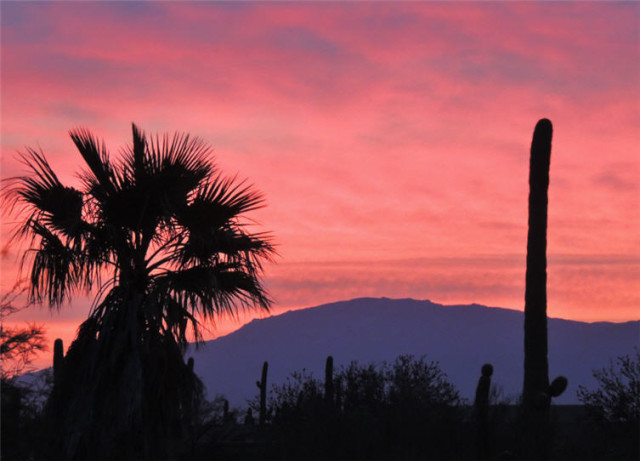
160,234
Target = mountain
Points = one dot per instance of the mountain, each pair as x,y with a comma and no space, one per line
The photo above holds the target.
460,338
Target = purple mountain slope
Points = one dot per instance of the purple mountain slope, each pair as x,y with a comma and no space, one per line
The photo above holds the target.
460,338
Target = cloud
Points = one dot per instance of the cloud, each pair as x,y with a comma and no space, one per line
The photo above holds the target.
377,132
619,178
586,283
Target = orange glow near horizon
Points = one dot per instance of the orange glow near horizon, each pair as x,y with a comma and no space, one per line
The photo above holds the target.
391,140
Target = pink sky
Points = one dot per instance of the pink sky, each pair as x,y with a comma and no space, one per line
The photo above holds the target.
390,139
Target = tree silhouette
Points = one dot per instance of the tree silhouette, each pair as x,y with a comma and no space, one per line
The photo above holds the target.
160,234
617,397
406,409
18,346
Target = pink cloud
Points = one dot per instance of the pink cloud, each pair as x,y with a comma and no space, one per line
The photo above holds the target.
377,132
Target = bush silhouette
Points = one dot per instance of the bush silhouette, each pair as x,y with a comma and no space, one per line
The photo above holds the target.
617,397
404,409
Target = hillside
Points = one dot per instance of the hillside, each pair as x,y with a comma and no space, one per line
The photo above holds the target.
460,338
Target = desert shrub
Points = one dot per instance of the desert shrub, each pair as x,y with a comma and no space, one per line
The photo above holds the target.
617,398
404,409
615,409
24,432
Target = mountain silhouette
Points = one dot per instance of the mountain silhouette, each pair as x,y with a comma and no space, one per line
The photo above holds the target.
461,338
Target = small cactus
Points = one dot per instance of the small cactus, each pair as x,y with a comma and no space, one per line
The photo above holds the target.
226,417
482,390
328,380
481,405
248,418
262,385
58,361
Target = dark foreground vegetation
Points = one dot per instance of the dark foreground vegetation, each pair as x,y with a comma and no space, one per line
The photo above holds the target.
404,410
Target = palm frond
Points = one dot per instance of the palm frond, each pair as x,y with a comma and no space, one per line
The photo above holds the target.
213,290
235,196
128,208
102,178
41,196
57,205
216,207
138,150
158,176
54,271
172,318
231,243
181,152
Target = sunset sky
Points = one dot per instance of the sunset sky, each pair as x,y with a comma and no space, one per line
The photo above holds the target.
391,140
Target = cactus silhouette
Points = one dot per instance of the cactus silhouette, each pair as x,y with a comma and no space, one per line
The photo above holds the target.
262,385
481,401
536,368
481,407
54,404
557,386
58,361
555,389
536,392
226,418
328,380
248,418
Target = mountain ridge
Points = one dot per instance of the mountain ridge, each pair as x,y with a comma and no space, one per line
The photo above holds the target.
459,337
428,301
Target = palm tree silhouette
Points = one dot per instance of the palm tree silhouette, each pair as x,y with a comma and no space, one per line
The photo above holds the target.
160,233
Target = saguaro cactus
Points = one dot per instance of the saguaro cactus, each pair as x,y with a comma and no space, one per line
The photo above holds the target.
54,403
481,402
262,385
481,406
226,416
248,418
536,367
536,392
328,380
58,361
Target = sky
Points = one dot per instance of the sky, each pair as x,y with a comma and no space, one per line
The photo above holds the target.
391,140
